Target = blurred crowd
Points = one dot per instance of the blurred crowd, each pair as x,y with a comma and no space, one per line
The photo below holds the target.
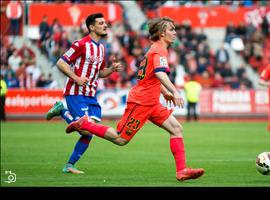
153,5
189,55
19,68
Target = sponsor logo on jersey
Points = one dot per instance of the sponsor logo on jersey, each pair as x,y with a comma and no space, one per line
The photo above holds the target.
95,59
70,52
163,62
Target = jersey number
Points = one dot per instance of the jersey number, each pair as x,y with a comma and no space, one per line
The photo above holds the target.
142,69
133,123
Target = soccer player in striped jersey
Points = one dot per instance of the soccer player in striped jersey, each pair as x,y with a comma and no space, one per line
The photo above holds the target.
83,63
143,101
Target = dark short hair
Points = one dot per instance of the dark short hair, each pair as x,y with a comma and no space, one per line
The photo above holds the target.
90,20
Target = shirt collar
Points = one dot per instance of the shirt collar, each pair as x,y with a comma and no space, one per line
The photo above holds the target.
91,40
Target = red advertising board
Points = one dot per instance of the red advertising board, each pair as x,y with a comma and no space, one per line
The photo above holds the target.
215,16
27,102
38,102
70,14
234,102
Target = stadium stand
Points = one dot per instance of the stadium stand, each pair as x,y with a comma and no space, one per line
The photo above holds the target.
226,58
197,50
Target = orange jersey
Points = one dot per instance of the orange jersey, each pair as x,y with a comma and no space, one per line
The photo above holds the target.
265,75
147,90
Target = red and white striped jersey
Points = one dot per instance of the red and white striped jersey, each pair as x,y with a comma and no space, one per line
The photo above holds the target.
86,57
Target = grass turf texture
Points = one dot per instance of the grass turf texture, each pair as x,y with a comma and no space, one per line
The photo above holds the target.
37,152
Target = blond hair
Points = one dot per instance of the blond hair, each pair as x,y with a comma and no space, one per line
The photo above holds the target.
157,26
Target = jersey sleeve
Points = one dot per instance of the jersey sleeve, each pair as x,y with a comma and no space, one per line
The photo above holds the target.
161,63
73,52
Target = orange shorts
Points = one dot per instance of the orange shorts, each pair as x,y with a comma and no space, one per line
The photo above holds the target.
136,115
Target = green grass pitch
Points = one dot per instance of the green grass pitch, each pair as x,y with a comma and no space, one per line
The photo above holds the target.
36,152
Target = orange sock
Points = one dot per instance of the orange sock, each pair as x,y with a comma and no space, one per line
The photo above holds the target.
178,151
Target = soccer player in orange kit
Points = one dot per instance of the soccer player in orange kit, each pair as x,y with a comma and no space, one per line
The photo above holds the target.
143,101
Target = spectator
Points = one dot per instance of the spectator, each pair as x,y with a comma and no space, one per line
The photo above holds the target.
191,63
12,81
56,30
172,74
14,60
203,50
192,90
3,54
245,82
44,29
204,79
14,13
202,65
3,92
241,30
44,32
32,74
250,29
10,49
21,75
265,26
27,54
222,55
42,82
29,82
64,43
82,29
54,50
240,71
180,75
53,84
228,76
230,33
218,81
4,69
200,35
